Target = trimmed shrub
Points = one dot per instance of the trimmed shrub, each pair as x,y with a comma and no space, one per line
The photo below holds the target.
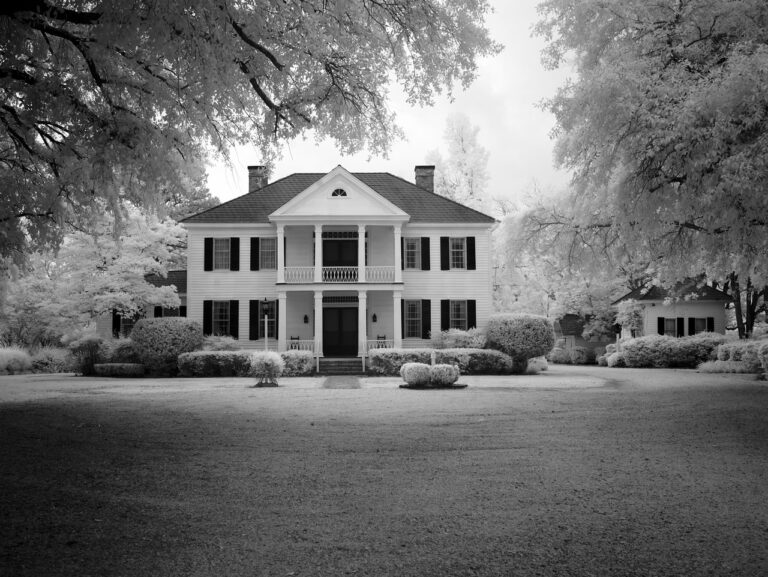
120,351
536,365
458,339
726,367
14,360
665,351
443,375
159,342
476,361
610,348
581,356
746,352
118,370
298,363
692,351
87,352
762,354
214,364
522,337
266,365
616,359
52,360
220,343
602,360
559,356
416,374
387,362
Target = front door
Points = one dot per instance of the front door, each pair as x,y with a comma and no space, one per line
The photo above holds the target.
340,332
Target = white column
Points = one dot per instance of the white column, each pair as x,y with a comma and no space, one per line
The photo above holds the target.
280,253
319,323
282,320
397,298
318,254
362,321
398,256
360,253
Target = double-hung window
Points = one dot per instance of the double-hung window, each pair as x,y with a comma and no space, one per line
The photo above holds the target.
670,327
221,260
458,247
699,326
268,253
458,318
413,319
413,253
269,309
221,318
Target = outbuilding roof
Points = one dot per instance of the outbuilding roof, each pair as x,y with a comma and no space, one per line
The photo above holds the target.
422,205
686,290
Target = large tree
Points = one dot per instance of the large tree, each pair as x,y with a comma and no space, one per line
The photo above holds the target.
665,128
114,98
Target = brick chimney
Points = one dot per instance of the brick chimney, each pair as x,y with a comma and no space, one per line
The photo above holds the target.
425,177
257,177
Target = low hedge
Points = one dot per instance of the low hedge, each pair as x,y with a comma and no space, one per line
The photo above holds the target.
238,363
14,360
387,362
424,375
118,370
663,351
746,352
298,363
53,360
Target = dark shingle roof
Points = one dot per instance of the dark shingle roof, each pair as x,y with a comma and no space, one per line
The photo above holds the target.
177,278
680,290
420,204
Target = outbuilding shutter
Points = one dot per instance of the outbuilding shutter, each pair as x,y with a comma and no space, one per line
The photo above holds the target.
158,312
471,261
445,315
254,308
471,314
208,254
424,253
234,319
710,324
691,326
234,253
115,324
207,317
254,253
426,318
680,327
182,311
660,325
445,254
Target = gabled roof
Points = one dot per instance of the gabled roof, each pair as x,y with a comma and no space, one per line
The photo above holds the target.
420,204
177,278
686,290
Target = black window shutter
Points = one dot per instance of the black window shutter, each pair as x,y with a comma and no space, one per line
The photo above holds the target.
402,253
445,254
402,318
277,316
424,253
207,317
471,314
234,319
234,253
680,327
691,326
115,324
182,311
445,315
710,324
660,325
254,253
208,254
158,312
471,261
426,318
253,320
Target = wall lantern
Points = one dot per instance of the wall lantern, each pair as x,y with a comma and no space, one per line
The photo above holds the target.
306,319
373,318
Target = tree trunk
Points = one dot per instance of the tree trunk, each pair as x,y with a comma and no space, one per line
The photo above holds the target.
736,296
752,298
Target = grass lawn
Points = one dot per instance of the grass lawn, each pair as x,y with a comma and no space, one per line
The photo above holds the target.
578,471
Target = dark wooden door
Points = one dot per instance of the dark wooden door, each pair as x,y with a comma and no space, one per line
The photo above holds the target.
340,332
339,252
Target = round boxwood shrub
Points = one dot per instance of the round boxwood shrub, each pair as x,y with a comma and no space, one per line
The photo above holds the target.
520,336
416,374
267,366
443,375
159,342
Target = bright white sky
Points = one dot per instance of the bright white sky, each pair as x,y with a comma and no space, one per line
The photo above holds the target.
502,103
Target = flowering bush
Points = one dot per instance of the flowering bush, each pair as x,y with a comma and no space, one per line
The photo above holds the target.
118,370
52,360
220,343
214,364
298,363
87,352
266,365
389,361
522,337
159,342
443,375
416,374
14,360
458,339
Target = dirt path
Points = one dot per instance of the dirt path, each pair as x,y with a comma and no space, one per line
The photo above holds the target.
573,472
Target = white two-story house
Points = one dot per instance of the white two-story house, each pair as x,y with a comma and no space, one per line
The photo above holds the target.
338,263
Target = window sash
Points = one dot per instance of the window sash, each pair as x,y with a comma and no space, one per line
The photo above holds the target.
670,327
413,253
458,319
268,308
699,326
413,319
220,253
458,249
268,253
221,318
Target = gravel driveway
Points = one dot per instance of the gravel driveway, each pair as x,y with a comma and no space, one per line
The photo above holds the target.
577,471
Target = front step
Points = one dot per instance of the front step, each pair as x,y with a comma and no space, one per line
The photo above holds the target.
333,366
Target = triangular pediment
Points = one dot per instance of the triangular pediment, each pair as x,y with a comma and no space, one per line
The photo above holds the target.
339,195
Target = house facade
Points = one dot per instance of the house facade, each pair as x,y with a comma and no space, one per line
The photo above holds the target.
338,263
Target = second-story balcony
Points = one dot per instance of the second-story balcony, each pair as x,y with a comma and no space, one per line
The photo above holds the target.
339,274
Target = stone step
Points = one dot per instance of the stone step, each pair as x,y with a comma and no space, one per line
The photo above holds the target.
341,367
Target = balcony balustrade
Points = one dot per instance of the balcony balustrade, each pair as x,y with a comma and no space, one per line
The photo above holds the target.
339,274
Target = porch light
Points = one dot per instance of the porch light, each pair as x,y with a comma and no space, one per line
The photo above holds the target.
373,318
306,319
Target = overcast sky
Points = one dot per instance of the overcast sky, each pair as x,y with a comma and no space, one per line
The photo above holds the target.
502,103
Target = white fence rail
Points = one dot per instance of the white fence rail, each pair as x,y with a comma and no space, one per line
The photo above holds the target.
379,344
299,274
301,345
306,274
380,274
339,274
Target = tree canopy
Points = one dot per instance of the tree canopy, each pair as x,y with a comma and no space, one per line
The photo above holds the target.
115,98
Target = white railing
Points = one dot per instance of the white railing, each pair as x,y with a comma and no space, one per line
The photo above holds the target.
299,274
339,274
301,345
380,274
379,344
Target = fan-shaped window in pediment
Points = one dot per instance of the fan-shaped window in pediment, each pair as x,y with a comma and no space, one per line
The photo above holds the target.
339,192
